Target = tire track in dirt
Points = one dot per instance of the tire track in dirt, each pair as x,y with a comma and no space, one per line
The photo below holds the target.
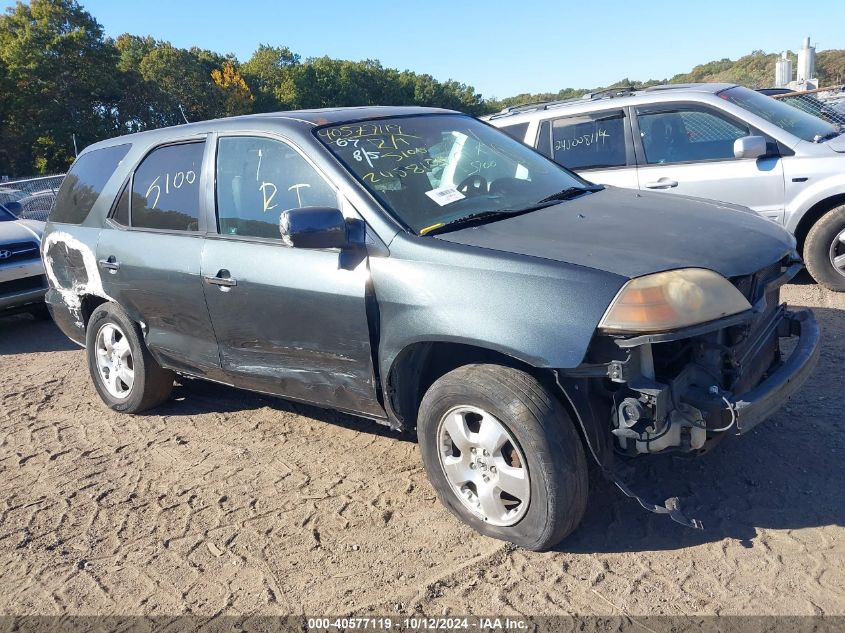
227,502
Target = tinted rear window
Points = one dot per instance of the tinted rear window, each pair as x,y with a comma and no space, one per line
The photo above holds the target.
165,190
84,183
589,141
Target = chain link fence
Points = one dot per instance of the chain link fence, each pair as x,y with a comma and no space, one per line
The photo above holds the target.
30,198
826,103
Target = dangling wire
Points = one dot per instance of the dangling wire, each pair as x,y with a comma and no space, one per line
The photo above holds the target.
733,417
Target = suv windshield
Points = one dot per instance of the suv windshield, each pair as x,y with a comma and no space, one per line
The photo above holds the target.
795,121
434,172
6,216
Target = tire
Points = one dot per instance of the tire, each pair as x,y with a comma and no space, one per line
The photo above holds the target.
40,312
150,385
539,433
817,249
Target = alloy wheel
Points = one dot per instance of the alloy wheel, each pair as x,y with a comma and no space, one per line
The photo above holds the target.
484,465
837,253
114,361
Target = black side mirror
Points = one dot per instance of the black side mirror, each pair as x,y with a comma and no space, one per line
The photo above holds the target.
314,227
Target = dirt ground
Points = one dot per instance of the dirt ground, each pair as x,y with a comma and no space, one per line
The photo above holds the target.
227,502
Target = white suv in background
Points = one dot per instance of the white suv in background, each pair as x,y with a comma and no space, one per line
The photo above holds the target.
717,141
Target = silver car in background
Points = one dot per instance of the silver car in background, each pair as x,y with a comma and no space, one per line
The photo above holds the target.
22,281
717,141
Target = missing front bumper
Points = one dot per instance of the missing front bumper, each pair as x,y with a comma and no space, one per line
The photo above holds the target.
766,398
686,394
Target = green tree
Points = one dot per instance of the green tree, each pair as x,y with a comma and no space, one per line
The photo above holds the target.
264,73
237,98
182,83
830,67
59,72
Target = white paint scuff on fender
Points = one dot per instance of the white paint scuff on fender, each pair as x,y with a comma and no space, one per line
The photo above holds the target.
72,295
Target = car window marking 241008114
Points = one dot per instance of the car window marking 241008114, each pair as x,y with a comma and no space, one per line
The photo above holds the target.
566,144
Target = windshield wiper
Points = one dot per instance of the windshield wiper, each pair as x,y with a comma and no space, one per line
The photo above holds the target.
821,138
472,218
571,192
484,217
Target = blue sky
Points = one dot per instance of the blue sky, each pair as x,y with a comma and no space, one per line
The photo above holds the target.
501,48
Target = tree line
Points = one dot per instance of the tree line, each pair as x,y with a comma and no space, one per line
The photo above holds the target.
64,84
755,70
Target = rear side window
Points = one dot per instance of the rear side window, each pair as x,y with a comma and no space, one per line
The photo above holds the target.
517,131
84,183
590,141
166,189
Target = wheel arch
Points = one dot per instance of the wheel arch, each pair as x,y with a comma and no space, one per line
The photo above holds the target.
418,365
813,215
88,303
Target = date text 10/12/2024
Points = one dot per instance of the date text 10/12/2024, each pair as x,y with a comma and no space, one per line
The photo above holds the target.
417,624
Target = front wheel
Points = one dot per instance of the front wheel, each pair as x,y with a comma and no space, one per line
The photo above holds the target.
503,455
824,250
124,372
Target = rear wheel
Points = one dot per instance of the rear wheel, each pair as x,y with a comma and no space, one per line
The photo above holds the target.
824,250
503,455
124,372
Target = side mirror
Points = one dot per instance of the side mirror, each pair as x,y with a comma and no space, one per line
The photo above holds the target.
314,227
750,147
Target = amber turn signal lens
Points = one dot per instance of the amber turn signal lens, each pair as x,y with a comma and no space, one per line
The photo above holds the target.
672,300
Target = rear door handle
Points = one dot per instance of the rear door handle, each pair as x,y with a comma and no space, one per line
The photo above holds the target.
222,279
111,264
663,183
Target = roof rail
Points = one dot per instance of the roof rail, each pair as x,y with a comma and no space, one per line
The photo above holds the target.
528,107
671,87
607,93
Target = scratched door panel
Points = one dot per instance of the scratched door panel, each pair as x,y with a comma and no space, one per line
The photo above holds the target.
288,321
294,323
158,283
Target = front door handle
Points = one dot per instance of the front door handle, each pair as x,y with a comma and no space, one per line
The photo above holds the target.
110,264
222,279
663,183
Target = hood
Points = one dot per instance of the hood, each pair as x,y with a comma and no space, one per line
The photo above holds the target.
632,233
20,231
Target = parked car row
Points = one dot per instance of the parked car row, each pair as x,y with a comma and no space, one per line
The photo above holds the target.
717,141
24,208
30,199
831,112
420,268
22,280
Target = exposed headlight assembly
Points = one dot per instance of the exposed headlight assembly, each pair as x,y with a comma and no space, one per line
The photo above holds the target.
671,300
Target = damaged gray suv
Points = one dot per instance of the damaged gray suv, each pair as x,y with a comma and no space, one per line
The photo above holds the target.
421,268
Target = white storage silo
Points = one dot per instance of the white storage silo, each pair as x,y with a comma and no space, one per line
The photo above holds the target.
806,63
783,71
